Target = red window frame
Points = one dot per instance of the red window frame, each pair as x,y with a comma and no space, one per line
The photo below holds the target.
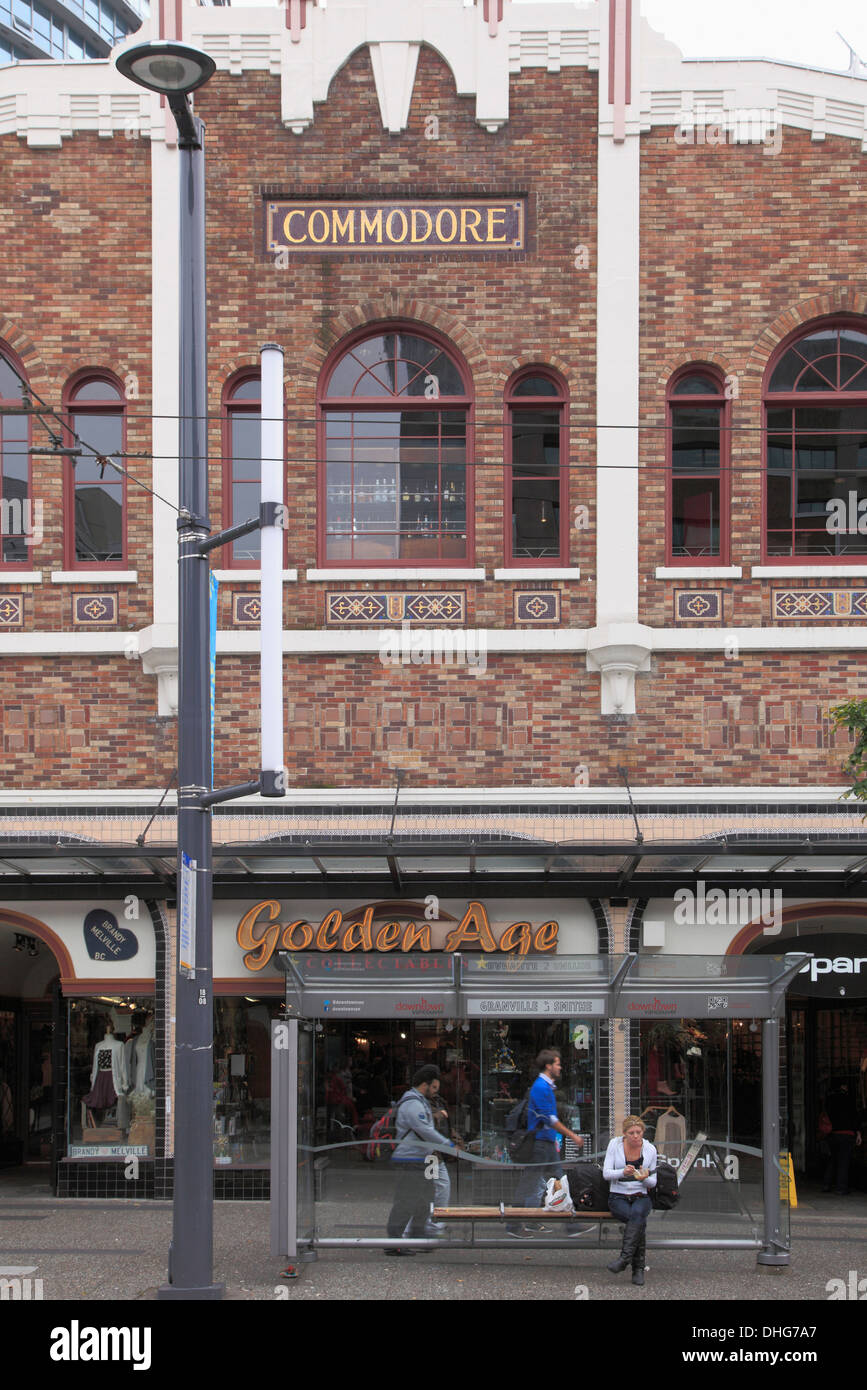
231,406
14,361
776,400
380,404
558,402
107,406
719,400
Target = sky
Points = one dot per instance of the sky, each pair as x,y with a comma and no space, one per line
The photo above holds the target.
799,31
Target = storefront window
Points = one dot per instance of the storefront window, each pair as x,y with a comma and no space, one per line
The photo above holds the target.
112,1078
242,1080
701,1076
361,1069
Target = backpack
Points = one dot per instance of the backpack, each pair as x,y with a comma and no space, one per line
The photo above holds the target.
589,1188
666,1193
384,1130
519,1139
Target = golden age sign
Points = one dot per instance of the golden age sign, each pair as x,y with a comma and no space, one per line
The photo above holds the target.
476,224
260,934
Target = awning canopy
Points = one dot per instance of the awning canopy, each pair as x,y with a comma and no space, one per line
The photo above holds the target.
497,866
440,985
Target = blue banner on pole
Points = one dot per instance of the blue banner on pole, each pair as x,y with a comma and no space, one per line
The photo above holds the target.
213,587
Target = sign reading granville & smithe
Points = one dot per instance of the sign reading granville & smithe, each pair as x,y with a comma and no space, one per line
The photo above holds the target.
466,225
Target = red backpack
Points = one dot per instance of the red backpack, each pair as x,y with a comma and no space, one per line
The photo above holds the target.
385,1128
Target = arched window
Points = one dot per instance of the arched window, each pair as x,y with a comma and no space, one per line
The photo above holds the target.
95,506
14,463
816,444
394,435
697,436
536,468
242,465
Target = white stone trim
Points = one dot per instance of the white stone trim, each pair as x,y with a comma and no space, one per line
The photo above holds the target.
451,796
618,301
568,572
90,577
21,577
699,572
77,643
230,576
809,571
424,572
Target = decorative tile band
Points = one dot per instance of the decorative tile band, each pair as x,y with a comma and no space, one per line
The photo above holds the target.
246,610
12,610
840,604
698,606
94,608
418,606
536,606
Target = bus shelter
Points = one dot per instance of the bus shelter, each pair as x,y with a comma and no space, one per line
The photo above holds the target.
330,1179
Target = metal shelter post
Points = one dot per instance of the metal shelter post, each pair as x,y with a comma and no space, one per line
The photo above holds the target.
774,1252
284,1137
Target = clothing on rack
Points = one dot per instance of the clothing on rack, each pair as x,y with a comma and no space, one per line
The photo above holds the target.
670,1136
108,1077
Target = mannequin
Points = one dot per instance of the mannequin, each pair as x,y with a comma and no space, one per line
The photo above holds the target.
108,1077
142,1079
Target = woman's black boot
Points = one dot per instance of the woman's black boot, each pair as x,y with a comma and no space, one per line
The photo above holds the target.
627,1250
638,1260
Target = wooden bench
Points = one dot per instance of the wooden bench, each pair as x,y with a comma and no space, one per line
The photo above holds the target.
524,1215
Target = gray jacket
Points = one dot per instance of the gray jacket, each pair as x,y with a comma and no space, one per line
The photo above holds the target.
415,1130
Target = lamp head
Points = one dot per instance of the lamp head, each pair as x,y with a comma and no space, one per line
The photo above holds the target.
172,69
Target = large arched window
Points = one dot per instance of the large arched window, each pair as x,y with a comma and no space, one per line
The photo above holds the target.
697,454
242,464
816,444
536,468
394,437
95,512
14,463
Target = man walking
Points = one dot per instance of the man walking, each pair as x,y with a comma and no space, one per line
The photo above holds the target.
417,1138
543,1124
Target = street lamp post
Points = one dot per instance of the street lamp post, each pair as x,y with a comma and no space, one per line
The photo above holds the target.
175,70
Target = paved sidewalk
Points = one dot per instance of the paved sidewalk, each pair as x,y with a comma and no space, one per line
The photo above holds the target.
117,1250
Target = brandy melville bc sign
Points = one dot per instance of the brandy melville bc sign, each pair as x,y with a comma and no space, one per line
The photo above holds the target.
477,224
260,934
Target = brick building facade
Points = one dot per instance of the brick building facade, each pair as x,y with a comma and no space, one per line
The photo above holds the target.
677,645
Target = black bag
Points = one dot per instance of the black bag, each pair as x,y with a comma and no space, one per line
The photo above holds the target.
666,1192
588,1187
519,1139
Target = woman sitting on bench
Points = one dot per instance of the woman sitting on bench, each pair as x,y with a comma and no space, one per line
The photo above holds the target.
630,1168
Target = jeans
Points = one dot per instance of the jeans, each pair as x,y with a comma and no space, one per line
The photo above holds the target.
530,1191
412,1200
837,1166
633,1214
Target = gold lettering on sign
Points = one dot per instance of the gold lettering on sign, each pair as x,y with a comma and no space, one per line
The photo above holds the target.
473,930
326,937
346,227
389,228
446,212
259,934
287,226
416,213
259,949
500,214
359,934
371,224
318,212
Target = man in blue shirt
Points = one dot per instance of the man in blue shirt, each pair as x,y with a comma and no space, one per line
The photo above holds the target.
546,1129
